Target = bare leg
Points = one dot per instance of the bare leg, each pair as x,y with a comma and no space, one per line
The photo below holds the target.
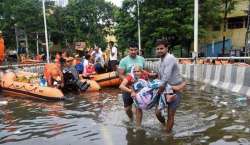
159,116
138,117
129,112
170,121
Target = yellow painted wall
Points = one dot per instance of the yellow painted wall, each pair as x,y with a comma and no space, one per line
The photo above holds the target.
236,35
240,8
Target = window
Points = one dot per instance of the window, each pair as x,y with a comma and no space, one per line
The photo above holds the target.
235,23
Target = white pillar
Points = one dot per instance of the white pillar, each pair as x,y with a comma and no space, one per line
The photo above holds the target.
37,44
139,29
26,44
196,26
45,31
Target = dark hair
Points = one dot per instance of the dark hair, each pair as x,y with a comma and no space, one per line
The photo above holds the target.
133,45
111,42
59,52
62,60
66,53
162,42
87,57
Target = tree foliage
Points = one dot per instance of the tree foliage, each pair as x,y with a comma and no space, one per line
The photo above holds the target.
92,20
166,19
81,20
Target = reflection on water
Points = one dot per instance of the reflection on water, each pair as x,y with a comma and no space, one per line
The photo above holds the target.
206,116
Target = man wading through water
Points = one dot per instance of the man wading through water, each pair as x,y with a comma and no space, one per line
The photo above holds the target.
124,69
169,73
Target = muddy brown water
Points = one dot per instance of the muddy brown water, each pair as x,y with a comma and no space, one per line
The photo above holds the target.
206,115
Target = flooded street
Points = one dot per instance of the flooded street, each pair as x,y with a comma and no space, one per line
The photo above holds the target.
206,115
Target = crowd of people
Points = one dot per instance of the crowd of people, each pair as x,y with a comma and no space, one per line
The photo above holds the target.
81,65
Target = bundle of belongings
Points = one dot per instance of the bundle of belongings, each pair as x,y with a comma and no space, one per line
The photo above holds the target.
147,94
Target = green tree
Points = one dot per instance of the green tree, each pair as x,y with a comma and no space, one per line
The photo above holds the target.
168,19
22,14
87,20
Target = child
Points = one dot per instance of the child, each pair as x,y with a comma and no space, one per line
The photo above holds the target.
89,69
78,65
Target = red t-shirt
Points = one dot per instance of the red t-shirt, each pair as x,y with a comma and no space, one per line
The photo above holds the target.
90,69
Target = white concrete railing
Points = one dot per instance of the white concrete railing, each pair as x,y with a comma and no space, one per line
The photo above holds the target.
229,77
212,58
35,68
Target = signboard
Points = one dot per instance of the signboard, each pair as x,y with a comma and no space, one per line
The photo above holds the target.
80,46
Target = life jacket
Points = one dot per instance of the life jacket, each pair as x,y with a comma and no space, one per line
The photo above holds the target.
51,70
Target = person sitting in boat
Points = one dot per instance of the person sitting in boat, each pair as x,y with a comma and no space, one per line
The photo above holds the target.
39,57
89,69
98,58
72,81
78,64
65,55
69,67
58,57
53,75
85,63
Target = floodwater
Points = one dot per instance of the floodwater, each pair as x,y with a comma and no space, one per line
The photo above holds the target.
206,115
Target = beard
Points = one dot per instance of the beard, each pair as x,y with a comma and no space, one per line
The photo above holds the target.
161,54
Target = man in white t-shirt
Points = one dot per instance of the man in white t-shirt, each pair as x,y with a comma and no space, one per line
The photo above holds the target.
112,57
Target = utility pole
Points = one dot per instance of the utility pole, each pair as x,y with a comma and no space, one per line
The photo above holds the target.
139,28
45,31
196,27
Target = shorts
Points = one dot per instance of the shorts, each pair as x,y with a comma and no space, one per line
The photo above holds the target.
127,99
174,104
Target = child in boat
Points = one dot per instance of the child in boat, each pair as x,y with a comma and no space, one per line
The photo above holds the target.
78,64
89,69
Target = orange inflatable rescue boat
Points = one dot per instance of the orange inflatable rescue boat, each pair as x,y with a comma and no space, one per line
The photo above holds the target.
107,79
19,86
93,85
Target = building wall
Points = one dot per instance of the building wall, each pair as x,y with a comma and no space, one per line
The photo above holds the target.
237,35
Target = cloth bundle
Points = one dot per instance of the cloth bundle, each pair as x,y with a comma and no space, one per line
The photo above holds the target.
146,94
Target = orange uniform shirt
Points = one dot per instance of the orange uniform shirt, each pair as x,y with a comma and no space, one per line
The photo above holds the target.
1,49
